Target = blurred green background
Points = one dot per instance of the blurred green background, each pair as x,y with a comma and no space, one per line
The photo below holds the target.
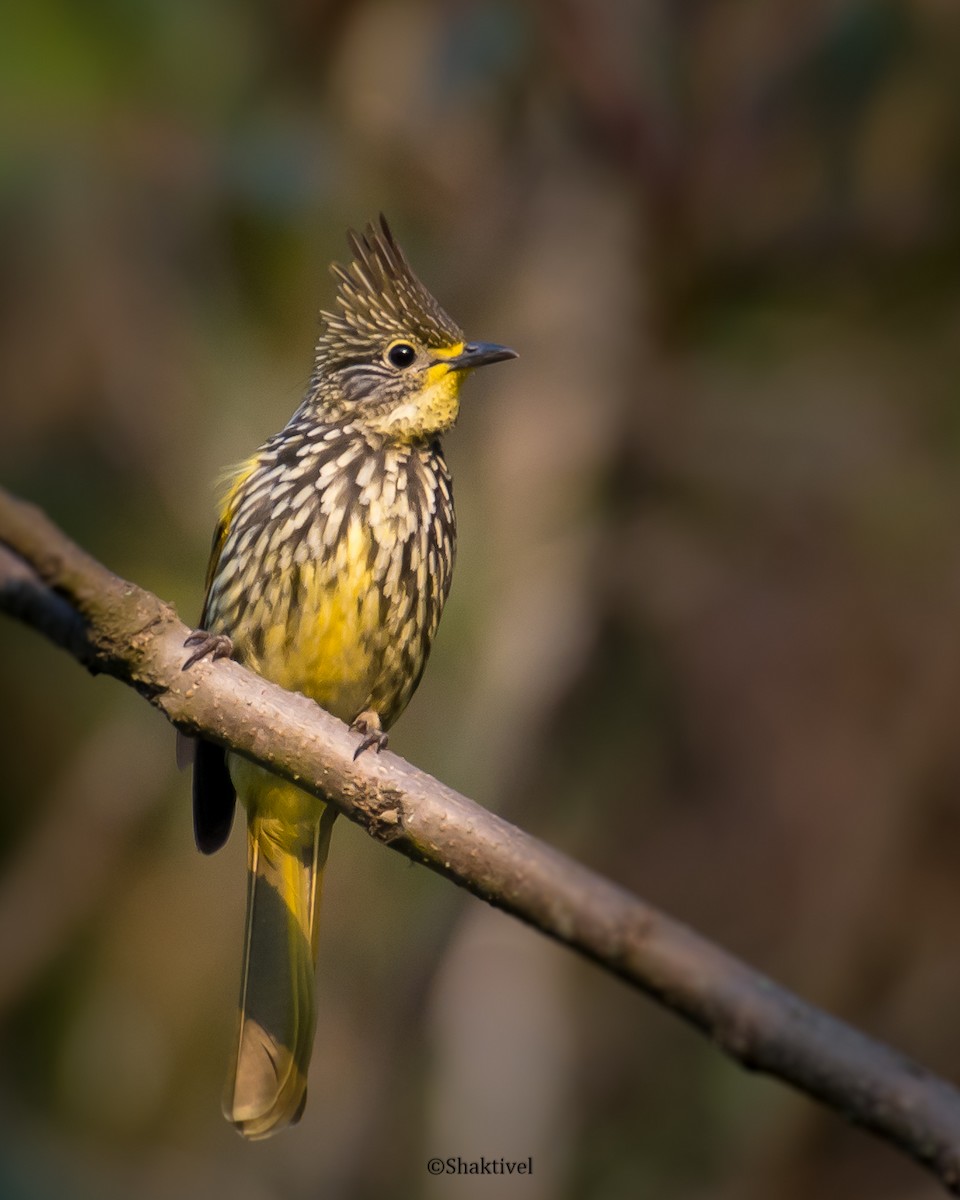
705,629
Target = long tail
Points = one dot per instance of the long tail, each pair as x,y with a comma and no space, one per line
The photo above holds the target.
267,1085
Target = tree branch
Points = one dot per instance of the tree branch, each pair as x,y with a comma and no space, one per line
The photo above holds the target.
114,627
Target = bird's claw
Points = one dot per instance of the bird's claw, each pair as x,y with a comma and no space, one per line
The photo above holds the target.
368,723
216,645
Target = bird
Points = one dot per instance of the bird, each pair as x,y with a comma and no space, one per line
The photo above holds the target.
330,566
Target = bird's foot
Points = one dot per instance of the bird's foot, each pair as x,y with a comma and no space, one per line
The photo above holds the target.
216,645
368,723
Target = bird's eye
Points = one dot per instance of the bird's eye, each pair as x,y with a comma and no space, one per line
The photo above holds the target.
401,354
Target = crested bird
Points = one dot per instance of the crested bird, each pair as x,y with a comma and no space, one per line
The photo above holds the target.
330,566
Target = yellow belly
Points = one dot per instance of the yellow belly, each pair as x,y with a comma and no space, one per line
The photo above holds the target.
326,641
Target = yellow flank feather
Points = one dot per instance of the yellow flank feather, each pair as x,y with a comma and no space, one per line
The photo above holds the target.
232,481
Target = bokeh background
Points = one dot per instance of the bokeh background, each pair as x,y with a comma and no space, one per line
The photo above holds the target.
705,629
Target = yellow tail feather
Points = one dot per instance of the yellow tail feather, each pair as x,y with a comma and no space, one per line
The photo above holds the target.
267,1086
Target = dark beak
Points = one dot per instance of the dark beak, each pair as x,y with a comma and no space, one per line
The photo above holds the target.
478,354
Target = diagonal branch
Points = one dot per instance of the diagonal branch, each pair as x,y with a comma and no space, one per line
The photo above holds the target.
114,627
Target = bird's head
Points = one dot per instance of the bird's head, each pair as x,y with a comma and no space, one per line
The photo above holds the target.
389,356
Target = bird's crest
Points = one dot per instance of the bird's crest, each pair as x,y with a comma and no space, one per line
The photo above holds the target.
378,296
